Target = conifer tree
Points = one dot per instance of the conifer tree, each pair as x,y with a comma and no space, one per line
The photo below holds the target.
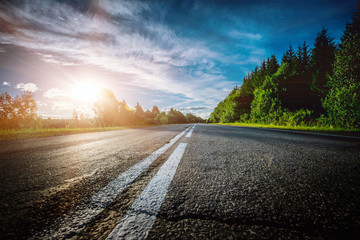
342,101
289,59
322,59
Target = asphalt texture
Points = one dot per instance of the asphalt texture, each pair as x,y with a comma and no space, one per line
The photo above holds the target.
231,183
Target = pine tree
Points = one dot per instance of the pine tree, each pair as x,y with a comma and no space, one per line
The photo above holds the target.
322,59
138,109
302,59
272,65
305,56
155,111
289,58
342,101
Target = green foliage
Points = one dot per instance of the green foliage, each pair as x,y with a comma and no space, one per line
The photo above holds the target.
17,112
106,108
302,117
162,118
343,105
110,112
322,59
175,116
20,112
302,59
239,101
319,86
342,101
191,118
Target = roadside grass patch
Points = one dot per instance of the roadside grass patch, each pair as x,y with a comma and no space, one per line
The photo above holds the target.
328,130
15,134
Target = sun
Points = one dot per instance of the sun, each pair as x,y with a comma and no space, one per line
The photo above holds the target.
86,91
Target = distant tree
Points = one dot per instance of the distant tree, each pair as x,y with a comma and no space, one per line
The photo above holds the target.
149,114
25,107
155,111
302,59
161,118
175,116
126,115
140,117
342,101
6,107
322,59
75,115
289,58
17,112
106,108
180,117
75,118
191,118
139,110
272,65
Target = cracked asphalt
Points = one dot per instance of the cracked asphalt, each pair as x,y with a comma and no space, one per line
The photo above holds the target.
231,183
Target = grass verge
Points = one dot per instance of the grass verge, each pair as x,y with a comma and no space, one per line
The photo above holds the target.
326,130
15,134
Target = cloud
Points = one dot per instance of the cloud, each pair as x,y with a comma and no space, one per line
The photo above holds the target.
127,38
85,110
41,104
116,36
57,93
27,87
194,108
245,35
61,106
6,83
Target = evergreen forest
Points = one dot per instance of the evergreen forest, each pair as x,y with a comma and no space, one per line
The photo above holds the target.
318,86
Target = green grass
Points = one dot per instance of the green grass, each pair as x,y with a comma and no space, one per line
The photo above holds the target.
329,130
14,134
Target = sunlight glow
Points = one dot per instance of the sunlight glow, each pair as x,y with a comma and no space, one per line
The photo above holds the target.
86,91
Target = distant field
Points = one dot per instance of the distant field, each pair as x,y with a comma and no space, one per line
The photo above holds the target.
339,131
14,134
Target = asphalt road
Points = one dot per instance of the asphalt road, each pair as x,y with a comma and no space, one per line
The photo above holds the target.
181,182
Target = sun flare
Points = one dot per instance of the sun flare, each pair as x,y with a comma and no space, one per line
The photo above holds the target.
87,91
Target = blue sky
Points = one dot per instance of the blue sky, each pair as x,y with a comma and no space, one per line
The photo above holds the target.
182,54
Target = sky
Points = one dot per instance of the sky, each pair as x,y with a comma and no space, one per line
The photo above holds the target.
186,55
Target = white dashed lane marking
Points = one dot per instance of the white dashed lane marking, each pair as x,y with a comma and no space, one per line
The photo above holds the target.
139,220
76,220
190,132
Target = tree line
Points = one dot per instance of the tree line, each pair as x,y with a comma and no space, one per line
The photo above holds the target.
318,86
20,112
111,112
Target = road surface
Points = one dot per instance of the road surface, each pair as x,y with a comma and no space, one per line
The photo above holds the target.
181,182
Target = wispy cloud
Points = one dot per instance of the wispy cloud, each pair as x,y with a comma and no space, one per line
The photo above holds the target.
245,35
6,83
27,87
183,50
120,37
57,93
194,108
62,105
112,35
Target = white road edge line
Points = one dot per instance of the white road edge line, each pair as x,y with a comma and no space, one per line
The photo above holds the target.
77,219
138,221
190,132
